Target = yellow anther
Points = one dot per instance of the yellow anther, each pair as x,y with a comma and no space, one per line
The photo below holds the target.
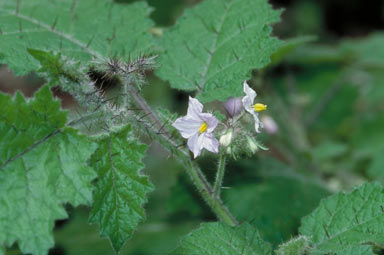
259,107
203,127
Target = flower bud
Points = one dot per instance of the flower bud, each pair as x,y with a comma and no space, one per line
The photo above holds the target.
233,106
269,124
252,146
226,139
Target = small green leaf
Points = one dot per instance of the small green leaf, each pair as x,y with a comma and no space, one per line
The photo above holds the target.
347,222
214,47
42,166
290,45
218,238
121,190
80,30
296,246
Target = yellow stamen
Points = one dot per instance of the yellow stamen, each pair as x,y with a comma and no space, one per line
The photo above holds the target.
259,107
203,127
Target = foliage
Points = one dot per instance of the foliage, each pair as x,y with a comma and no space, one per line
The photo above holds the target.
218,238
120,189
345,222
42,165
322,130
70,27
214,47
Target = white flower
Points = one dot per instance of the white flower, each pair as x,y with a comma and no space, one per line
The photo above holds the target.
197,127
252,108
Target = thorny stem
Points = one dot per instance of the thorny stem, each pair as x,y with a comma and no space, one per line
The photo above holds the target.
219,176
197,176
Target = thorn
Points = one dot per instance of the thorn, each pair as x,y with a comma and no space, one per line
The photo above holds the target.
18,4
61,43
236,56
113,36
326,231
20,26
73,6
54,23
145,115
90,41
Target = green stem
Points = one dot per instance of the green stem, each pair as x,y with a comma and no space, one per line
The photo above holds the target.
219,176
197,176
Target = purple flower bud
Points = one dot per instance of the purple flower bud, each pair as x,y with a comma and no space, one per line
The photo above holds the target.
233,106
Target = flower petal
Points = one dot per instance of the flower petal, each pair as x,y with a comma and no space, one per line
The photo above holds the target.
258,123
195,144
187,126
211,143
194,108
211,121
249,97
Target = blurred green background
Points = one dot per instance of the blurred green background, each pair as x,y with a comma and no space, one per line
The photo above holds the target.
326,96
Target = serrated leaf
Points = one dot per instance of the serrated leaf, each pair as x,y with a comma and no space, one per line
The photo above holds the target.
214,47
80,30
121,190
219,238
347,221
42,166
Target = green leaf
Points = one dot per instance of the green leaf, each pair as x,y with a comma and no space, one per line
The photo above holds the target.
296,246
219,238
214,47
274,206
290,45
361,50
347,222
80,30
121,188
42,166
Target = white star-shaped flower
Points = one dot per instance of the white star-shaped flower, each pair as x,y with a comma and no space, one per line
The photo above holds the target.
252,108
197,127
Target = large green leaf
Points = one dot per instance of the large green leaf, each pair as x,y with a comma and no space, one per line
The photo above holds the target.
347,223
218,238
214,47
121,189
82,30
42,165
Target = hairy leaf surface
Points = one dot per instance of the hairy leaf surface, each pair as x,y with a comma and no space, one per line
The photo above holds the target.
121,190
81,30
214,47
219,238
347,223
296,246
42,166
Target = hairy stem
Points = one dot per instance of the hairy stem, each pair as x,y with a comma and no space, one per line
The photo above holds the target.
197,176
219,176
